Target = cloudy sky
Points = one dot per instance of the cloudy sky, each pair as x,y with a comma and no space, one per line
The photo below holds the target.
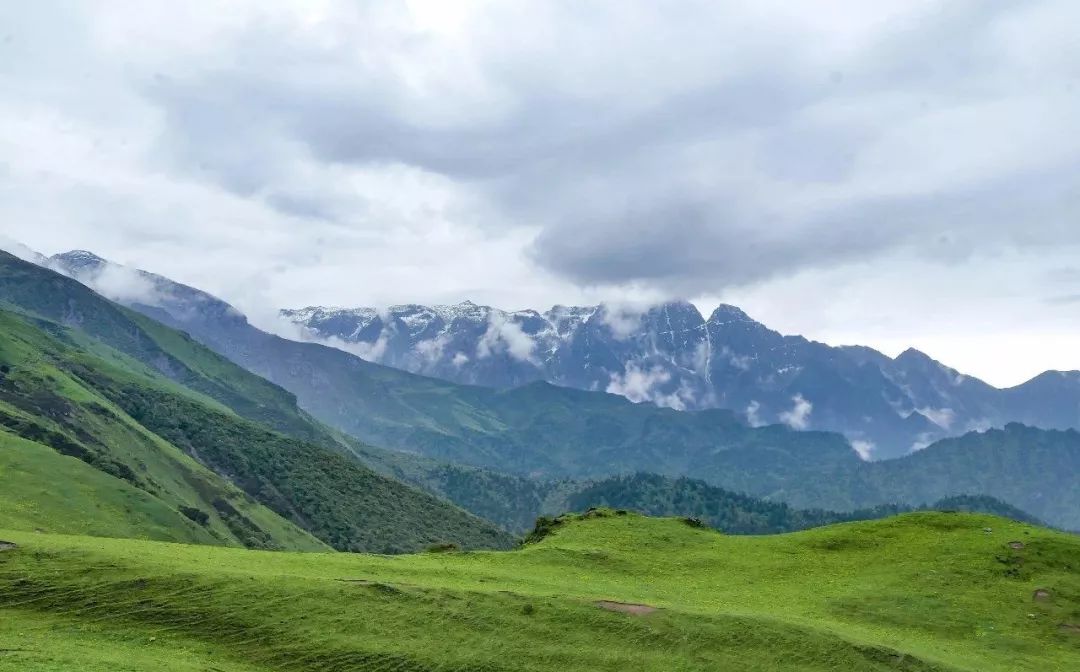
886,173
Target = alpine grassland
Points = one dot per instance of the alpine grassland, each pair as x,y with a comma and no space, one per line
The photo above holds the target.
606,590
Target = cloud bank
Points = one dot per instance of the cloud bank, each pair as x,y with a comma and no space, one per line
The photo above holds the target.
350,153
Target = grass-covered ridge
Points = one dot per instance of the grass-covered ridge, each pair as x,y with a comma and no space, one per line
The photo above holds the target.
926,591
163,456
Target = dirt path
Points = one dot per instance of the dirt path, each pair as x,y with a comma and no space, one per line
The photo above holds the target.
626,607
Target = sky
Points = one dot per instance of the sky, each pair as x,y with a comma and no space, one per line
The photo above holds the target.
891,174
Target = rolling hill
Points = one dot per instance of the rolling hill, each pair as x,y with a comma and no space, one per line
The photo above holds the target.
928,592
733,513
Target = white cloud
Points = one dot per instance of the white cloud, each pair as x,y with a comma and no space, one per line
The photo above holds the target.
638,384
923,441
125,285
286,328
865,449
21,251
432,349
741,362
113,281
624,319
460,359
844,156
504,335
942,417
752,416
372,352
799,415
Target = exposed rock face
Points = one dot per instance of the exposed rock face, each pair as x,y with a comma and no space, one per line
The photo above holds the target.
671,355
667,354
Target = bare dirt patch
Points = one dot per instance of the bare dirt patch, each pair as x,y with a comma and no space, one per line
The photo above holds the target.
1041,595
1016,545
1071,628
626,607
7,546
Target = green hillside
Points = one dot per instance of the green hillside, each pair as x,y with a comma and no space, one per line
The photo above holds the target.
169,353
734,513
62,389
515,502
51,492
513,443
919,592
540,432
121,477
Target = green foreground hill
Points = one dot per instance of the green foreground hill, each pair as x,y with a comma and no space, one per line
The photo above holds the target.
918,592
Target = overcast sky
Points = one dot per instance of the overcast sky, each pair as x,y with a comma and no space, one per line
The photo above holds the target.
883,173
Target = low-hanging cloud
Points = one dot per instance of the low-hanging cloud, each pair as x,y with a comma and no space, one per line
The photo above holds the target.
113,281
504,335
431,350
752,414
622,319
942,417
641,383
798,417
125,285
295,331
864,449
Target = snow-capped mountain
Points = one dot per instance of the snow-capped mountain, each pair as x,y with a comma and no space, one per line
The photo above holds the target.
669,355
672,356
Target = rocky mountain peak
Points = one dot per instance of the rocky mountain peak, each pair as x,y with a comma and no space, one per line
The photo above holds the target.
78,260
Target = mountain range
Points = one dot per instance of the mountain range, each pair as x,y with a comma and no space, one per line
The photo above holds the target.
502,453
671,355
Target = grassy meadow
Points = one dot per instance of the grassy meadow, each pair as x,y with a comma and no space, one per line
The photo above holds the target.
922,591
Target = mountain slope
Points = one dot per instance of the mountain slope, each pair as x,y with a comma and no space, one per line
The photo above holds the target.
112,410
548,432
926,592
115,465
51,492
538,430
671,355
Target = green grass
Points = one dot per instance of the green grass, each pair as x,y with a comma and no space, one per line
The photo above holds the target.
129,477
44,490
149,405
926,591
245,483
